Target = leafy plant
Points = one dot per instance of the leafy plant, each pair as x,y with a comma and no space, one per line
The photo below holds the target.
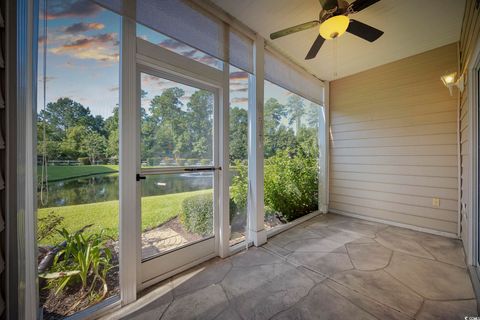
197,214
291,184
84,160
239,188
81,258
205,162
47,225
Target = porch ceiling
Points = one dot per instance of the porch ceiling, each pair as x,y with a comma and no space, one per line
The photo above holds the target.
411,27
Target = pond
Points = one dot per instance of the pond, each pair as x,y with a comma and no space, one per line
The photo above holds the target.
105,187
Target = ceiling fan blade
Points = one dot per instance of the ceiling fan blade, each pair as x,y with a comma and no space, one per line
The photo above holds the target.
328,4
363,30
297,28
359,5
312,53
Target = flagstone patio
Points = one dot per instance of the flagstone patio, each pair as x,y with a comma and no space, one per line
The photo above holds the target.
330,267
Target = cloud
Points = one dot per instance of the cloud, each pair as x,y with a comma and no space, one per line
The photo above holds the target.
102,47
82,27
239,75
71,8
190,54
238,82
173,45
208,60
239,100
89,41
154,84
239,89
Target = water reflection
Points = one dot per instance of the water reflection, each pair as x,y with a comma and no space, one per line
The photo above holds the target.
105,187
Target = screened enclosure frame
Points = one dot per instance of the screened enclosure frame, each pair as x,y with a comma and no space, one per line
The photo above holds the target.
132,51
145,53
158,62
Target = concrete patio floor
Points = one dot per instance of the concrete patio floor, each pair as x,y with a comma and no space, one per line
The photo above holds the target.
330,267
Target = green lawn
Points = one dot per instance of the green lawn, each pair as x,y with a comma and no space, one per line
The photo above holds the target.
56,173
105,215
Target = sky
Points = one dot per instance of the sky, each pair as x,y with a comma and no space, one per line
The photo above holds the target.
83,59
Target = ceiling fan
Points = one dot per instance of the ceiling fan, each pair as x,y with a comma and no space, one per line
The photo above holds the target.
334,21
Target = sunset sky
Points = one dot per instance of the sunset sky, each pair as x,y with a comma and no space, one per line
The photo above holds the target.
83,58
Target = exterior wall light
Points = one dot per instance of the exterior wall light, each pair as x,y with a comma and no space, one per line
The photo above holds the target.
450,80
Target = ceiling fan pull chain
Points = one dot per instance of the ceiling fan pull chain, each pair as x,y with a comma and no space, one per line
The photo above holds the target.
335,58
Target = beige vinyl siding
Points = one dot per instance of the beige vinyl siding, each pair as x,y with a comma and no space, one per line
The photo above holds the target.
469,37
393,142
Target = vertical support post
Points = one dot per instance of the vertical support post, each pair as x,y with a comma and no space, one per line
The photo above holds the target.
26,68
129,199
224,195
256,211
323,143
12,221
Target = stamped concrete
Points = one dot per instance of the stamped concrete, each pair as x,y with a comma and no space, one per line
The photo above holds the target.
381,287
432,279
445,310
329,267
325,263
378,256
402,243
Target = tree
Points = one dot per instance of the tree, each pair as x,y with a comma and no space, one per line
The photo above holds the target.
282,139
66,113
200,124
111,128
296,109
67,123
45,143
314,115
238,134
72,146
167,117
93,145
274,112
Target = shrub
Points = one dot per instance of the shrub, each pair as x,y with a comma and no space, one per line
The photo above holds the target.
291,184
197,214
239,188
180,162
191,162
234,209
113,160
84,160
205,162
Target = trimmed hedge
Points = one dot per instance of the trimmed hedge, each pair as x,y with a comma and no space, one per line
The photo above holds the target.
197,214
84,161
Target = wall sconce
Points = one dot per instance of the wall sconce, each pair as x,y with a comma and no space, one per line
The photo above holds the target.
450,80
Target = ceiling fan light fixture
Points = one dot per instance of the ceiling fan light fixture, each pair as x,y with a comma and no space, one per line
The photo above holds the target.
334,27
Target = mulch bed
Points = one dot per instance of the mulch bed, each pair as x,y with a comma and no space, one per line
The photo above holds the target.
63,305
